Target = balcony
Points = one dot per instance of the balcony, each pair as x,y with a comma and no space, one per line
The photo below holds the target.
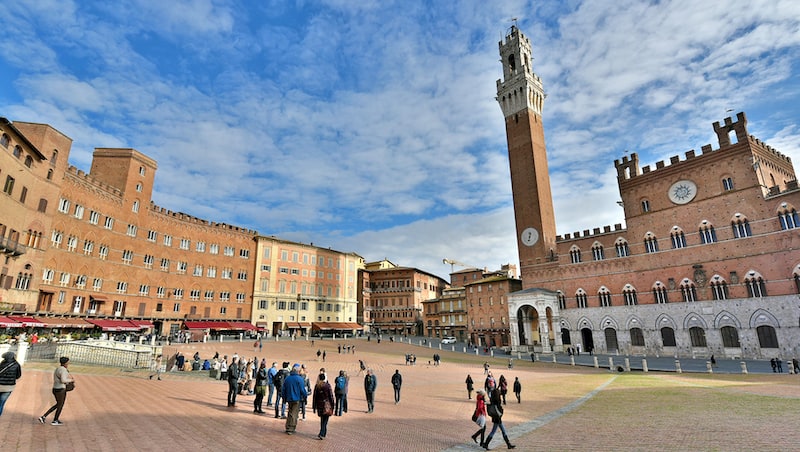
11,247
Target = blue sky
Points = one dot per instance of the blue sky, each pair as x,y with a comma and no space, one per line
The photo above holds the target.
371,126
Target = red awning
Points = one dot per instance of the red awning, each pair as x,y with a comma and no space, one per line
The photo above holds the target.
64,322
26,321
114,325
142,323
242,326
5,322
208,325
336,326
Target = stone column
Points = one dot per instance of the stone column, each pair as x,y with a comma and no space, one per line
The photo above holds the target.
544,335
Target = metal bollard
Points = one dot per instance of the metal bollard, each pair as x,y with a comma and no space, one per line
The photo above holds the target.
790,366
572,360
744,367
596,364
554,358
610,363
627,364
644,365
708,367
678,367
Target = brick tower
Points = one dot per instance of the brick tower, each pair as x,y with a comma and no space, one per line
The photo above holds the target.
521,97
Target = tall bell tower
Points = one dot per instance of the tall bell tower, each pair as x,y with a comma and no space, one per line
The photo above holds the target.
521,97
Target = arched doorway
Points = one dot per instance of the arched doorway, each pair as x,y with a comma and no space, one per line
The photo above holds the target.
565,336
586,338
611,340
528,325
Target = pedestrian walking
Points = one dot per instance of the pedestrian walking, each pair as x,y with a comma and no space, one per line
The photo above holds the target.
397,382
479,416
370,384
155,367
469,386
322,403
324,354
62,382
10,372
495,411
517,389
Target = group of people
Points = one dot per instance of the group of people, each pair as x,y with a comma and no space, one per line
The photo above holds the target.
63,382
489,403
777,365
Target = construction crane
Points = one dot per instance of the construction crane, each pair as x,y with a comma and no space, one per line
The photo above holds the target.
453,263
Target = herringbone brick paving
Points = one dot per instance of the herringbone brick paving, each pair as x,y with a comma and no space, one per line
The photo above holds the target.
118,410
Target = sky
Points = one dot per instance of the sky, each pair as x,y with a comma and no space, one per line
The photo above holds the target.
372,126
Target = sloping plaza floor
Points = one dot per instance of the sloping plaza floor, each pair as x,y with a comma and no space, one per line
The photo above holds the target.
563,407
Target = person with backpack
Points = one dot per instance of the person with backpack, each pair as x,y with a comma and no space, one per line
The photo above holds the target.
340,391
277,380
397,381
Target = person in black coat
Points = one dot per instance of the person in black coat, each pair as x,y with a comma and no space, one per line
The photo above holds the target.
495,411
10,372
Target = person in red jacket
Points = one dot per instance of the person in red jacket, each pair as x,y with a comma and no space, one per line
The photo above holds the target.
480,415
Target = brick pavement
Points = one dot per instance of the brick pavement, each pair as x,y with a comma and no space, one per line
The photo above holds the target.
117,410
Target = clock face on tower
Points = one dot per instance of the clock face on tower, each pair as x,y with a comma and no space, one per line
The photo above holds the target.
682,192
529,237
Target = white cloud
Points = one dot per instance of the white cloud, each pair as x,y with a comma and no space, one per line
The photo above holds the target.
373,125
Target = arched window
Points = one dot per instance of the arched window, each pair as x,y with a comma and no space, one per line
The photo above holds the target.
796,276
650,243
54,158
688,291
788,216
621,247
597,251
562,300
637,337
605,297
660,293
645,206
17,151
767,337
668,336
740,226
697,336
727,184
677,238
629,294
756,287
4,140
575,254
730,337
707,234
28,161
580,297
719,288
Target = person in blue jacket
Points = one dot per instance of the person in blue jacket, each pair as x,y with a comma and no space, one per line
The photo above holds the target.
293,391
